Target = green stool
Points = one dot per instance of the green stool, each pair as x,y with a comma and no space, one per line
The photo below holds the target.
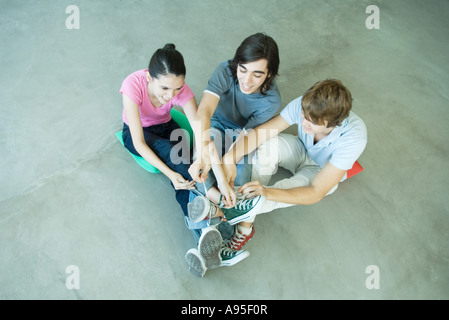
181,119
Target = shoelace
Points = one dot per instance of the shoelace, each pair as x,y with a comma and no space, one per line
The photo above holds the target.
235,240
226,251
244,204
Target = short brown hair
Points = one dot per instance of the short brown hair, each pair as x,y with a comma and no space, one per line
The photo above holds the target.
328,100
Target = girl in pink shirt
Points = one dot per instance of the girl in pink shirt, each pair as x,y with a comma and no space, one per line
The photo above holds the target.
148,96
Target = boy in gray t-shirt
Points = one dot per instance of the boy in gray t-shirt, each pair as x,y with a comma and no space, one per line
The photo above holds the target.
235,109
238,111
241,94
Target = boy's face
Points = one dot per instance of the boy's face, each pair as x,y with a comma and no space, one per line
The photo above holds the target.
252,75
314,129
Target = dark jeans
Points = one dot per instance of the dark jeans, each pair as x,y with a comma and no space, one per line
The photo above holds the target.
157,137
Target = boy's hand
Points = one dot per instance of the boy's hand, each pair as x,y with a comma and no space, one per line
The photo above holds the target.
252,189
198,170
228,193
201,166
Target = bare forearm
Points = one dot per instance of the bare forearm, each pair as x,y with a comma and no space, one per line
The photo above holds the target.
201,130
206,109
245,145
256,137
153,159
217,166
326,179
298,196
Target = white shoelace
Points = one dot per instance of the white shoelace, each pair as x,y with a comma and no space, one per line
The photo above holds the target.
244,204
236,239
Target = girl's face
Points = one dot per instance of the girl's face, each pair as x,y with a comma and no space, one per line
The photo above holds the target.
164,88
252,75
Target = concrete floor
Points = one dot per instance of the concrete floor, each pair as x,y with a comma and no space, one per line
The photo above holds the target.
71,195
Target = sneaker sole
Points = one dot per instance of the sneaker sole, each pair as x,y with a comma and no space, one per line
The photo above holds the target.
239,257
196,266
197,209
209,247
248,215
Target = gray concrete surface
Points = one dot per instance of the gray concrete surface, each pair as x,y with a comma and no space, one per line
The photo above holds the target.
71,195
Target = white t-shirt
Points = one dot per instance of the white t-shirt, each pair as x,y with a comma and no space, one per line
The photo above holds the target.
341,147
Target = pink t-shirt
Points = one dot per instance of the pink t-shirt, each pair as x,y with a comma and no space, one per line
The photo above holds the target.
135,88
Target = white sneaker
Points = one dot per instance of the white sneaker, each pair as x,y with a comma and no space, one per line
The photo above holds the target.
196,263
209,247
201,208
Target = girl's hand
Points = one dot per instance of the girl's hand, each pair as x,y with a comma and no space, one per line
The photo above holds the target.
252,189
180,183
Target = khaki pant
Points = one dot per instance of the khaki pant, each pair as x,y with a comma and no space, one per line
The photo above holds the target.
286,151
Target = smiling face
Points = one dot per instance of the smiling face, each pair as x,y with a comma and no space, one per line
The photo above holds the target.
164,88
252,75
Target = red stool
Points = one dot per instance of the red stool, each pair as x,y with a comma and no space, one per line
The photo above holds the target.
356,168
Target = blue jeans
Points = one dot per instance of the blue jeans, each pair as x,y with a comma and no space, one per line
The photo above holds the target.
157,137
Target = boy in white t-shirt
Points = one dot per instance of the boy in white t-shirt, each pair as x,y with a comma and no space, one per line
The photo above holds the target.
330,139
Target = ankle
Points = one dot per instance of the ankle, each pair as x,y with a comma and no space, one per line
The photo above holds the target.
246,231
219,212
214,196
245,224
216,211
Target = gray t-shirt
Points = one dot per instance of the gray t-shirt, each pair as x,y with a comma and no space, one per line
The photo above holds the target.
237,110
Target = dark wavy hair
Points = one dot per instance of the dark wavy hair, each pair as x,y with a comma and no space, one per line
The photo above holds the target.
255,47
166,61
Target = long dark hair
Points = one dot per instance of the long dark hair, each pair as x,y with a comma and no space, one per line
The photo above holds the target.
255,47
166,61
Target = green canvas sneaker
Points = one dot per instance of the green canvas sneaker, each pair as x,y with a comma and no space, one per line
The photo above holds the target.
230,257
244,209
